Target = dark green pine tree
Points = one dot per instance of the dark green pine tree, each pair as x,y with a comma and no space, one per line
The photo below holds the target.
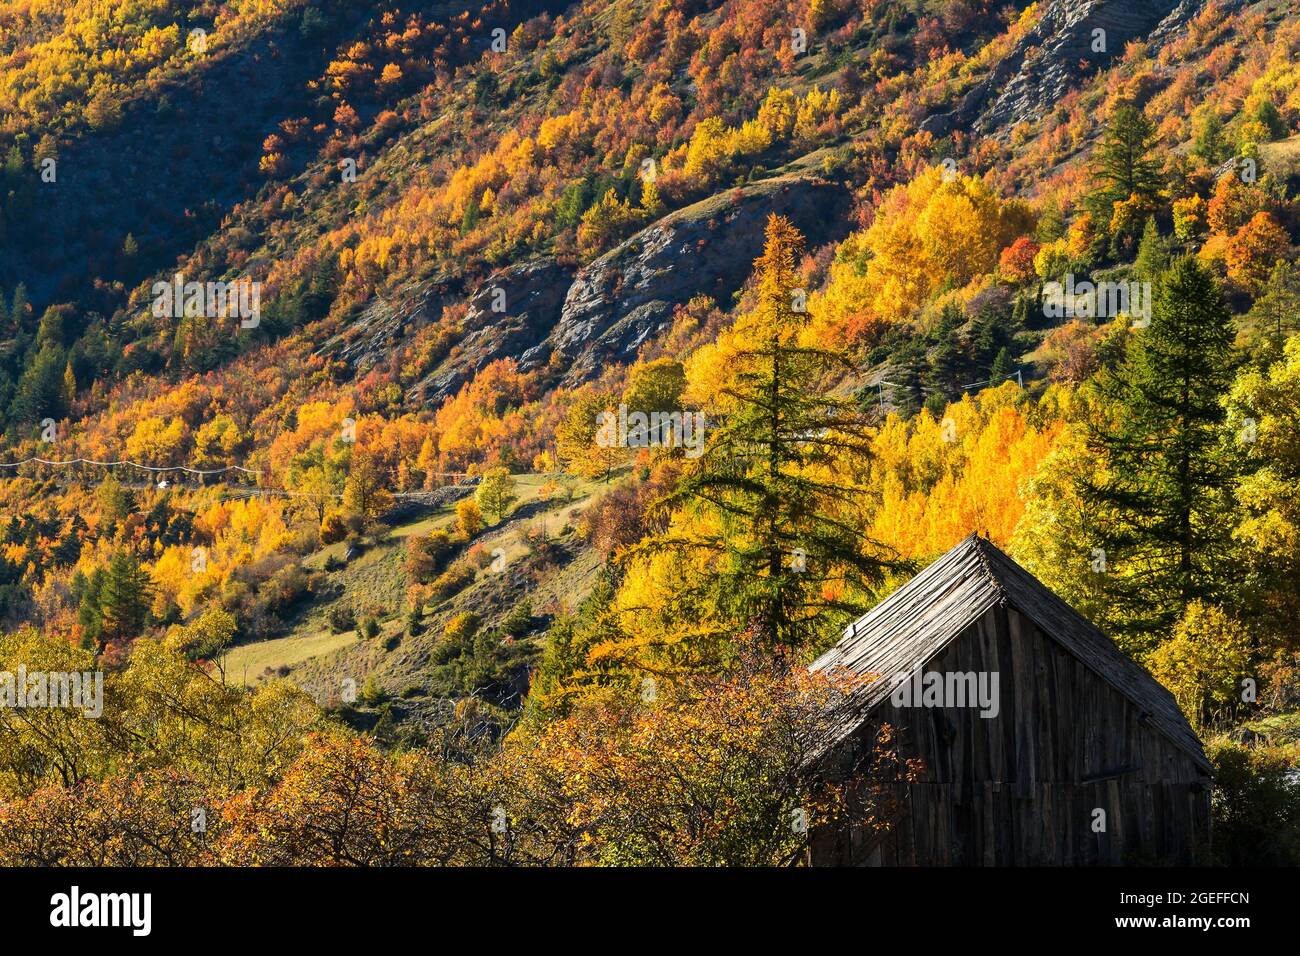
320,293
947,369
1156,427
907,377
88,613
469,219
1152,255
773,474
1004,366
14,167
948,364
1120,165
19,306
41,392
1275,314
123,600
1023,311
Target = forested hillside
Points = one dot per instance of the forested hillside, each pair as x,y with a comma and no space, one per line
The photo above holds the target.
495,408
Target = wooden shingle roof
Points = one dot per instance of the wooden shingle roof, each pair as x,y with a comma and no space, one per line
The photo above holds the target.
916,622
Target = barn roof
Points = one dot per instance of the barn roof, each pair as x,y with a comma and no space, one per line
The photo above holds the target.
916,622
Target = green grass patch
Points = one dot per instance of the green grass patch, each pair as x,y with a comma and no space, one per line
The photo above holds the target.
1281,158
247,663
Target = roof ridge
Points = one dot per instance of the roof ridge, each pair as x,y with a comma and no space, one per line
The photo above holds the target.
979,545
928,612
1027,585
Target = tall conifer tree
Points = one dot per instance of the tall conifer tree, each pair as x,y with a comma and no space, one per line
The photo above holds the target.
774,472
1156,428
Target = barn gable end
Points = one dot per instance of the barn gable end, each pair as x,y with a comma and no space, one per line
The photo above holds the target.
1079,729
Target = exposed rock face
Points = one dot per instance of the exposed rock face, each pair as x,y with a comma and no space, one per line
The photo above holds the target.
1065,39
382,325
417,504
510,313
1063,46
546,315
539,311
628,294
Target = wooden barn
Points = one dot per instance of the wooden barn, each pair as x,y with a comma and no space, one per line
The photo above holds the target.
1041,742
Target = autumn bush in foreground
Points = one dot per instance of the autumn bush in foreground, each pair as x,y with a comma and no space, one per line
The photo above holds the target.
709,770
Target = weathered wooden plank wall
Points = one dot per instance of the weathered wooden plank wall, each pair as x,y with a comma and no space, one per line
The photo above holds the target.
1021,788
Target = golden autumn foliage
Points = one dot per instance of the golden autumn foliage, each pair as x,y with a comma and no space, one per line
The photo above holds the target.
1202,664
935,481
159,712
337,415
90,53
708,771
936,231
703,771
1254,249
924,484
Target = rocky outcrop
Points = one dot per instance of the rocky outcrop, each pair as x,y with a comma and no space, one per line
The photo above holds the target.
548,316
1072,39
511,312
542,314
628,295
412,505
385,322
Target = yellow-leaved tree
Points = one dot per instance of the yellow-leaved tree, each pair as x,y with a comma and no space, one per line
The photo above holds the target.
763,530
939,230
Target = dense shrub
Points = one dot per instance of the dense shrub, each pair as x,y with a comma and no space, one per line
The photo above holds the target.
452,581
1256,805
342,619
427,554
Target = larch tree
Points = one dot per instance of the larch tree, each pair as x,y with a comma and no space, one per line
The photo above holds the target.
577,438
1262,431
770,501
496,493
365,494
